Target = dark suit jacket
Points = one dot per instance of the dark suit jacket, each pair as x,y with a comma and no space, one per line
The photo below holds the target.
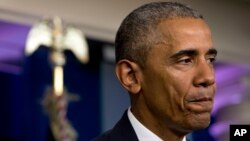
123,131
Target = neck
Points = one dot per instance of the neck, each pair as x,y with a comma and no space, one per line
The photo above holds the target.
161,127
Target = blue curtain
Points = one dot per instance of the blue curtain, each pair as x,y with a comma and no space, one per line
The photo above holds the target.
22,115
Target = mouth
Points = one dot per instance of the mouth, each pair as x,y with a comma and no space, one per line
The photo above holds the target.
200,105
201,99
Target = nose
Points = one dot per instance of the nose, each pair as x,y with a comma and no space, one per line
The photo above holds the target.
204,76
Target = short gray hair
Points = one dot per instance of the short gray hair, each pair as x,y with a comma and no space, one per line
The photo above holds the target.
134,36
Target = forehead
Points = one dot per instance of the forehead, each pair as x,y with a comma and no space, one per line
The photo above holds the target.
181,33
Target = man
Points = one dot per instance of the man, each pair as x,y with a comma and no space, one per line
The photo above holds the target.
164,59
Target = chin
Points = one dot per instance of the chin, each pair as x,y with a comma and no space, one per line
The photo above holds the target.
199,121
200,125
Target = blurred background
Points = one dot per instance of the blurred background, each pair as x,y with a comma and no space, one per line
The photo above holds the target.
24,79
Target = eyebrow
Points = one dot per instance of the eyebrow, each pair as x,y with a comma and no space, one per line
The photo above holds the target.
212,51
192,52
186,52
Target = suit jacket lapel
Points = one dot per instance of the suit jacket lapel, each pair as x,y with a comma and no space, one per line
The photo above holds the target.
123,130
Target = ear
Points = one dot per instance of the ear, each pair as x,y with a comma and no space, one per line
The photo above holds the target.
128,73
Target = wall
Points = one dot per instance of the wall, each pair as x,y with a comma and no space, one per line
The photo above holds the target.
229,19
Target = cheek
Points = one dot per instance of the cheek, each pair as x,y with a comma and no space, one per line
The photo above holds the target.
166,92
180,88
171,92
161,94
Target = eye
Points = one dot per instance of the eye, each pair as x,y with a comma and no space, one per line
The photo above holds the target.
211,59
185,61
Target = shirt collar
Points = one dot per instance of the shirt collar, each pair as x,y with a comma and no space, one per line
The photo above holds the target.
143,133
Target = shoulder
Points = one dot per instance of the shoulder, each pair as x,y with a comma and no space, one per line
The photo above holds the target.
103,137
122,131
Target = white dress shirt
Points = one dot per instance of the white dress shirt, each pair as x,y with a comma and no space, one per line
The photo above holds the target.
143,133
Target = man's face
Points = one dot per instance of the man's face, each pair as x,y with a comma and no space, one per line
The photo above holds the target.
178,84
